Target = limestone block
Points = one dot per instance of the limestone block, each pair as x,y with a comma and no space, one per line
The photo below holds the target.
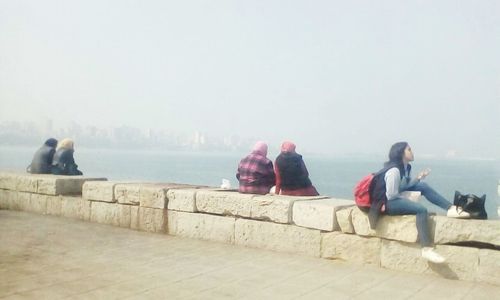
201,226
9,199
153,196
489,266
104,213
400,228
124,215
275,208
182,199
449,230
319,214
128,193
38,203
277,237
351,248
8,181
148,219
224,203
75,207
344,219
26,183
99,191
461,262
54,205
22,201
4,199
62,185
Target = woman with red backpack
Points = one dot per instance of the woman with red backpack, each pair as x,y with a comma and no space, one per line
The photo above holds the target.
387,198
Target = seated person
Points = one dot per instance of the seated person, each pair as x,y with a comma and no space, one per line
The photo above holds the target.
64,163
42,160
255,171
292,177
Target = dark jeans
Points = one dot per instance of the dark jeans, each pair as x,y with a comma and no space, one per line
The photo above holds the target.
401,206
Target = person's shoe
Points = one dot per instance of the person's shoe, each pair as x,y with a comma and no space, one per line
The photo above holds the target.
457,212
432,256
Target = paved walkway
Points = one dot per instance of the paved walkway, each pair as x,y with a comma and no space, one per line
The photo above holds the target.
44,257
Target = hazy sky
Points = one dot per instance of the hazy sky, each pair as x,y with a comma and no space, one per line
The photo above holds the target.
333,76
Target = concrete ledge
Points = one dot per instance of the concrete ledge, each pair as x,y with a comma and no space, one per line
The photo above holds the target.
319,214
75,207
104,213
201,226
449,230
127,193
277,237
350,247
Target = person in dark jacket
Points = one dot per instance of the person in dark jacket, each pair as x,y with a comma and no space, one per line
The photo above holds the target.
387,197
42,160
64,162
255,171
292,177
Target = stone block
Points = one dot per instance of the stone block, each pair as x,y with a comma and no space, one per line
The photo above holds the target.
22,201
182,199
224,203
26,183
148,219
344,219
38,203
128,193
277,237
153,196
201,226
489,266
75,207
351,248
99,191
4,199
461,262
125,215
449,230
54,205
104,213
9,199
62,185
8,181
399,228
275,208
319,214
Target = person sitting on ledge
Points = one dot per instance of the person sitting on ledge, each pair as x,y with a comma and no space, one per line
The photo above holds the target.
292,177
386,197
42,160
255,171
64,162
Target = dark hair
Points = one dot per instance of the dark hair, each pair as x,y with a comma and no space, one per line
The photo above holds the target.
396,155
51,142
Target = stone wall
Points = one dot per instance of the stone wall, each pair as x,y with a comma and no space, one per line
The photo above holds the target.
315,226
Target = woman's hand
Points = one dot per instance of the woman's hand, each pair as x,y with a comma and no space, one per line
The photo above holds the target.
423,174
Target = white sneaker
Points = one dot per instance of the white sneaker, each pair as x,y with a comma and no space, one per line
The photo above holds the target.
432,256
457,212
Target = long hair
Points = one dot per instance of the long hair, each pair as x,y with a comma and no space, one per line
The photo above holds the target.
396,156
65,144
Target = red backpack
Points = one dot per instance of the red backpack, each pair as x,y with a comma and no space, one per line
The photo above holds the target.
362,192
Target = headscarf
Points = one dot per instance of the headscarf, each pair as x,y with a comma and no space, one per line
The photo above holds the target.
65,144
260,147
52,142
288,146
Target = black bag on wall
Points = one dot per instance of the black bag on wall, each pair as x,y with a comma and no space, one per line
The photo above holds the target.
472,204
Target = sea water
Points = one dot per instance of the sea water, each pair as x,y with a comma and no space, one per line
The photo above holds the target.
332,176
